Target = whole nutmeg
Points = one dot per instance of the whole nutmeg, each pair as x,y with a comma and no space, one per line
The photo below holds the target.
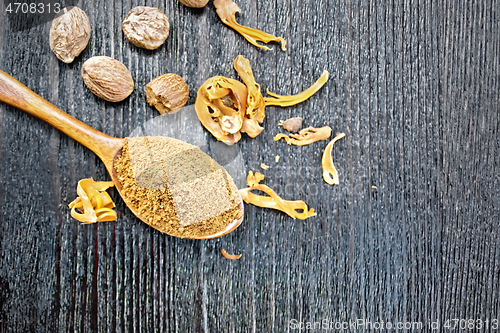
194,3
69,34
167,93
107,78
146,27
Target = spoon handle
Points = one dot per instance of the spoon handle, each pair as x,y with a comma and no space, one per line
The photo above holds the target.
16,94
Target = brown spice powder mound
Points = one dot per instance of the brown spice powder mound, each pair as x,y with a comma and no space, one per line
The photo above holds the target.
189,212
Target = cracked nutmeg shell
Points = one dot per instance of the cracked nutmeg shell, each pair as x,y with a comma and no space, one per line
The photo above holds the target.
167,93
69,34
146,27
107,78
194,3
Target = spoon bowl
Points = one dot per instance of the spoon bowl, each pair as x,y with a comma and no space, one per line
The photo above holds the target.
106,147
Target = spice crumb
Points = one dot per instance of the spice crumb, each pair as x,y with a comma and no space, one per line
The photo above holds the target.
264,166
293,124
277,158
373,186
230,256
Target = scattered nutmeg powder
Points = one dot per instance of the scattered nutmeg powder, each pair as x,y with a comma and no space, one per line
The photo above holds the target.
178,204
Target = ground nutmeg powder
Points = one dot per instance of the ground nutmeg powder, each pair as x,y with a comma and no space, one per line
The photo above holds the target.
175,187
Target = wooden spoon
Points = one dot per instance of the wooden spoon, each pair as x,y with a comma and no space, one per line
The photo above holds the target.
106,147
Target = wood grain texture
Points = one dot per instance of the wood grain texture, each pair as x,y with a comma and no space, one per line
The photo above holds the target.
414,84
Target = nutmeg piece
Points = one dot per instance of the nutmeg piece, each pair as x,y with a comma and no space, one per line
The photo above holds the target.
168,93
69,34
194,3
231,124
293,124
146,27
107,78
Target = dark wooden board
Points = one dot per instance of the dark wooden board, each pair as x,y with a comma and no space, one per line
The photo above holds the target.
413,84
